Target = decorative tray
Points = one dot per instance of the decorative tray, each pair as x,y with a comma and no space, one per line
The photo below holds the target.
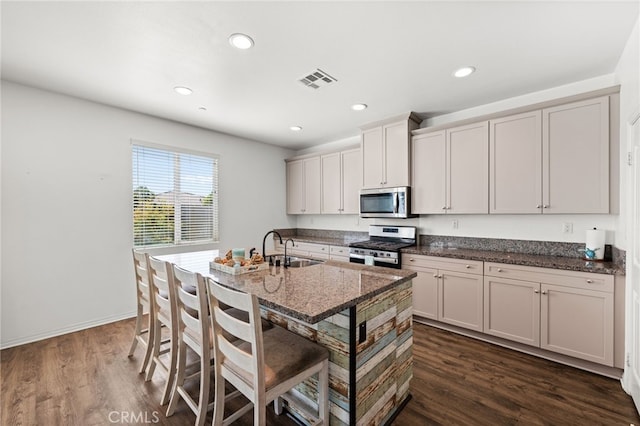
238,270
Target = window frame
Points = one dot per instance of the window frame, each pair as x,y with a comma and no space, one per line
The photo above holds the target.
177,240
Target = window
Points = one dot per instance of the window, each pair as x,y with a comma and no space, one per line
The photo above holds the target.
175,197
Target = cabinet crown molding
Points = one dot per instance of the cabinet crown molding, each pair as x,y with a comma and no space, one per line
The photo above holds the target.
406,116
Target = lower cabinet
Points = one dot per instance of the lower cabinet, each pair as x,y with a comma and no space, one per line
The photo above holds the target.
567,312
315,250
339,253
447,290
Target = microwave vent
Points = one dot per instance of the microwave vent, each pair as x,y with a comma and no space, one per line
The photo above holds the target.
316,79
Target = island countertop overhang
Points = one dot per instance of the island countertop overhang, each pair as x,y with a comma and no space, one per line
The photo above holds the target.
309,294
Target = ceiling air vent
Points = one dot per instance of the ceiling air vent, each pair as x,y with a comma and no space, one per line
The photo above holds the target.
317,79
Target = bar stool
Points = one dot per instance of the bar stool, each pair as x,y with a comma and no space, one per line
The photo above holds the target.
143,307
164,313
194,331
262,366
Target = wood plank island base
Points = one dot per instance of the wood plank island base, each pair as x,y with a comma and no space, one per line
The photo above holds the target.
362,314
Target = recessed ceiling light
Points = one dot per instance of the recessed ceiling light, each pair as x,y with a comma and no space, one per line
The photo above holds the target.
464,72
241,41
295,128
358,107
183,90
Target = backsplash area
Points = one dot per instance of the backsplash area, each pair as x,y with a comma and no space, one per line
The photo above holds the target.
543,248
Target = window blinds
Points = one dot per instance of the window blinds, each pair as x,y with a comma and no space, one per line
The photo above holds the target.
175,197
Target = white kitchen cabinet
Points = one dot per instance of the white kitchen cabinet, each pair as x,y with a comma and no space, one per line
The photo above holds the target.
561,311
554,160
341,180
449,290
386,153
304,186
339,253
575,149
451,170
429,188
515,164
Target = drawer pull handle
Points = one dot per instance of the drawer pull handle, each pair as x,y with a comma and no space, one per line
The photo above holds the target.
411,260
499,269
589,281
467,266
435,275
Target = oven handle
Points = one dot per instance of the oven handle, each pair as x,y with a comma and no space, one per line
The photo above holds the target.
375,259
396,202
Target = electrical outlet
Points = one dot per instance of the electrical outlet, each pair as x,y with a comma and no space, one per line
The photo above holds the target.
454,223
567,228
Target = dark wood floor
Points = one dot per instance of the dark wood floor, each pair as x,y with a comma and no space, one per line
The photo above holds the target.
85,378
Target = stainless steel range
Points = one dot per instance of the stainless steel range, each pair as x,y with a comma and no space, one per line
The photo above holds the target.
383,246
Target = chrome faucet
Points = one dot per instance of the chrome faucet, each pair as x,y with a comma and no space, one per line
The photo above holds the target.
265,239
287,260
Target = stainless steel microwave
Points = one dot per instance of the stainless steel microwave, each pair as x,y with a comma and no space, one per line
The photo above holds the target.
386,202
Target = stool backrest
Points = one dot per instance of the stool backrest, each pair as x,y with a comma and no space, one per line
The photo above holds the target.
240,363
193,308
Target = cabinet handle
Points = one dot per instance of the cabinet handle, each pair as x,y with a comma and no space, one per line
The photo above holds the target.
444,208
467,266
536,291
538,206
435,275
589,281
411,260
544,291
545,206
499,269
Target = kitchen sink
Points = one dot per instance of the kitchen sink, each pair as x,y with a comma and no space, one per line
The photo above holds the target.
301,263
296,262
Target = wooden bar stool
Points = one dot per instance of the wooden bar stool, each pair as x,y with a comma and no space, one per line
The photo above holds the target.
141,335
164,313
194,331
261,366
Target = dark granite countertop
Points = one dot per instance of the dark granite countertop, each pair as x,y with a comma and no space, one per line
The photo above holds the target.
554,262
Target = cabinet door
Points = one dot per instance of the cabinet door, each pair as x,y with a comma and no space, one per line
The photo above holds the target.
425,294
312,185
331,183
428,173
468,169
576,157
577,322
460,299
512,310
295,187
515,164
396,154
351,181
372,158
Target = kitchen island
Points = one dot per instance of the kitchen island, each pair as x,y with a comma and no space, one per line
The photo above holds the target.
361,314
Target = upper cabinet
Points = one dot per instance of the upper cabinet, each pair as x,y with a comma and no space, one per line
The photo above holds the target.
575,152
303,186
386,152
450,170
554,160
341,178
515,164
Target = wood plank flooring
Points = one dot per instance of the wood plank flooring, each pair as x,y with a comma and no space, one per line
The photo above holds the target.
85,378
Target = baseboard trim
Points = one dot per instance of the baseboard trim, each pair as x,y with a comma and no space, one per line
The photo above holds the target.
65,330
603,370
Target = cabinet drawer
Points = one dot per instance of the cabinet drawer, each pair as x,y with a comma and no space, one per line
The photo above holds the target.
433,262
575,279
312,247
339,251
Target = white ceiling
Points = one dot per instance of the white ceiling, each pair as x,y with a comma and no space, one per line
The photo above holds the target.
394,56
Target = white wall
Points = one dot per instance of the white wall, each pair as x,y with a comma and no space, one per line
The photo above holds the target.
525,227
66,206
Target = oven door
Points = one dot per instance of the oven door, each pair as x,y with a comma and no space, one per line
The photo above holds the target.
377,261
